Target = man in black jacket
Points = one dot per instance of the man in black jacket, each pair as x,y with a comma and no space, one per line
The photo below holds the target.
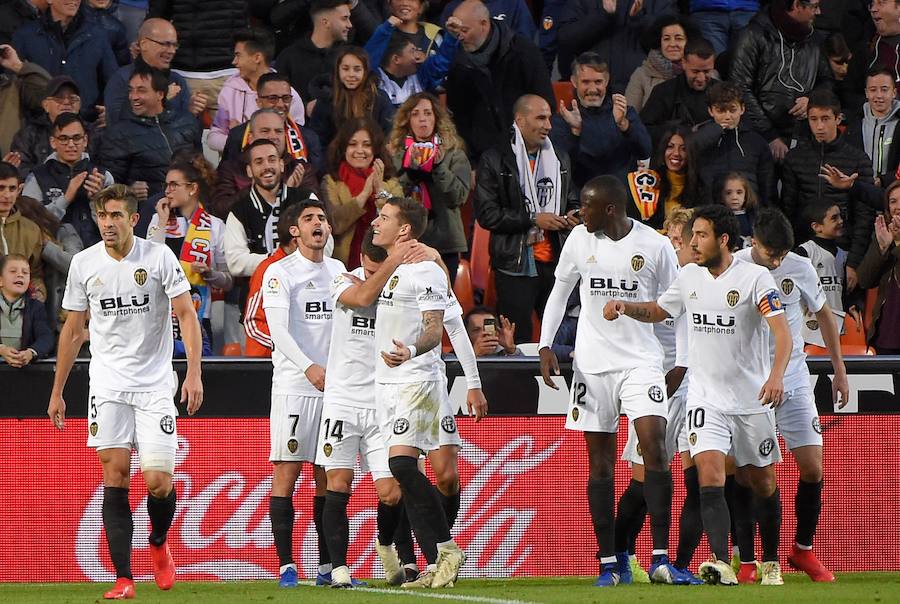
497,67
314,54
525,198
682,100
777,62
802,185
139,149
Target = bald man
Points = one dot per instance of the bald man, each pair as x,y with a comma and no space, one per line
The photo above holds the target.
157,44
495,67
524,197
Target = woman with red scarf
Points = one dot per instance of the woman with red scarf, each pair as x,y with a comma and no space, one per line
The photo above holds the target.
358,184
431,162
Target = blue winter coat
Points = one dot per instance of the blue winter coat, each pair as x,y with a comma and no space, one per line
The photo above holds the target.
602,148
87,57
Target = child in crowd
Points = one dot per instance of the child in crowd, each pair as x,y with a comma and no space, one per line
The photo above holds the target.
830,262
25,334
728,144
738,195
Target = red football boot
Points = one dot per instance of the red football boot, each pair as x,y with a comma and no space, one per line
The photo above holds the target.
163,566
805,560
122,590
747,573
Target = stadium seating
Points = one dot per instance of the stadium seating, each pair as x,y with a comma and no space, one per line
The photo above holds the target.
462,286
565,92
853,342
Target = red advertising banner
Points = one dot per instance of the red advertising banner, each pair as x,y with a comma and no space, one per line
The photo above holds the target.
524,509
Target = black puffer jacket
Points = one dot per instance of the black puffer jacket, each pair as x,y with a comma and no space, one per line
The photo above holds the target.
499,206
672,103
302,61
141,148
773,73
742,150
205,30
802,186
482,99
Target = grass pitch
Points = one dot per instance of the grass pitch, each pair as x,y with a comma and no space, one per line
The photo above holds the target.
850,587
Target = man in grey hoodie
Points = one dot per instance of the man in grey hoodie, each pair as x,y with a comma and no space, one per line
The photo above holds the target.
876,132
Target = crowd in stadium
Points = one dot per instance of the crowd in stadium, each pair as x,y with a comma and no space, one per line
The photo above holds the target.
790,105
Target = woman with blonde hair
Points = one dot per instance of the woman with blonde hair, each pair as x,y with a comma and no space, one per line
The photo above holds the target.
431,163
358,184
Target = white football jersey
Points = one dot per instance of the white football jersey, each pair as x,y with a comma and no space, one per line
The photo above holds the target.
728,337
411,290
831,269
350,375
636,268
302,287
666,333
131,313
799,290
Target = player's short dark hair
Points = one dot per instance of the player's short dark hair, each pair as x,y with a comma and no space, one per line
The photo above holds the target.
320,6
258,40
880,71
117,192
310,202
824,99
412,213
723,94
67,119
723,222
699,47
272,76
7,171
478,310
773,230
590,59
371,251
4,260
609,189
816,211
287,217
158,80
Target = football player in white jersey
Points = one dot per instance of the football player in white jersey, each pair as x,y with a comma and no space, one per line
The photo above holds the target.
632,508
407,384
349,427
796,417
299,312
130,287
618,366
733,382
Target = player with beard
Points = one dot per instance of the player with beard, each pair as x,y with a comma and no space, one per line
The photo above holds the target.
348,425
733,384
615,257
796,417
672,335
407,382
131,287
299,312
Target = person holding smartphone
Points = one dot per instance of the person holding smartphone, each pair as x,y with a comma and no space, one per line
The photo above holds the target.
490,335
